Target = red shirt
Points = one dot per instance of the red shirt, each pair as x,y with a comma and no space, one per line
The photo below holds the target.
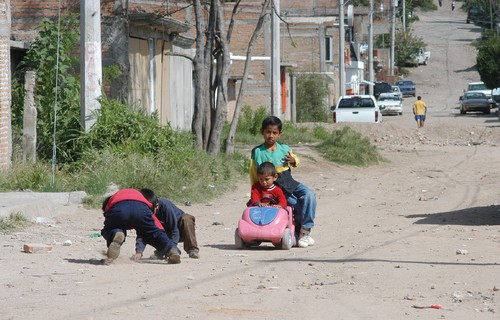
127,194
260,194
134,195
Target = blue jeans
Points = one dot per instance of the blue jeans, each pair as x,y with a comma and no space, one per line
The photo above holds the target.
303,200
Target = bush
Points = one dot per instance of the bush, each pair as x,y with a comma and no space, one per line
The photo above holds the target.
57,100
488,64
346,146
312,93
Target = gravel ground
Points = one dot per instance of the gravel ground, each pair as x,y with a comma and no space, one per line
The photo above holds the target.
392,240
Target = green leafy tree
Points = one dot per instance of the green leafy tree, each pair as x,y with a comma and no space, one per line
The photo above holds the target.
59,103
406,47
488,64
312,91
424,5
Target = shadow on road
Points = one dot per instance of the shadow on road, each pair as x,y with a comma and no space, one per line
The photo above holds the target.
469,69
477,216
86,261
263,247
478,114
363,260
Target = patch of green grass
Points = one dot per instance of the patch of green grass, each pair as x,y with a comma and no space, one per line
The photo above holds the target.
136,152
347,146
14,222
294,135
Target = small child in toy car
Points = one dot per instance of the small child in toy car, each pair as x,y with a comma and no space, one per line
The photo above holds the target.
265,192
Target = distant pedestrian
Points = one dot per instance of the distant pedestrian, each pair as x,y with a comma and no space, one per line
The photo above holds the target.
419,110
440,3
453,6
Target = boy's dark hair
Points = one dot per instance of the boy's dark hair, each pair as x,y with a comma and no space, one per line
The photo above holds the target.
150,196
419,98
105,203
267,168
272,121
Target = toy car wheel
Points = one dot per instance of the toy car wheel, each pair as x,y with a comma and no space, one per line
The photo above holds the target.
238,242
287,240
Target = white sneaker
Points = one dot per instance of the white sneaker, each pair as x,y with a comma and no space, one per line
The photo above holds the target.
305,241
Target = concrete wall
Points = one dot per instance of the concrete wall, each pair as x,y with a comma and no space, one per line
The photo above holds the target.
5,97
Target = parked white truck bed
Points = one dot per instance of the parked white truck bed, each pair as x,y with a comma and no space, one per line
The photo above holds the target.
361,108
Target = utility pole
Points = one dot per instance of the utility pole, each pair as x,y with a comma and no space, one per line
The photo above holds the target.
404,14
393,35
90,61
275,61
370,48
341,49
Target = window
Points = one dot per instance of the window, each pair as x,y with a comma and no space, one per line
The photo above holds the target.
328,49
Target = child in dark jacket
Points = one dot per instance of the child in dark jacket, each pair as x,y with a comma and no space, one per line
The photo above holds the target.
178,225
129,209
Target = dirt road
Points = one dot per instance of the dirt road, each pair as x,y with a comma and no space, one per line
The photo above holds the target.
422,229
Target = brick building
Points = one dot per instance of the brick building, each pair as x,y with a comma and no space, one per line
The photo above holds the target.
138,35
309,43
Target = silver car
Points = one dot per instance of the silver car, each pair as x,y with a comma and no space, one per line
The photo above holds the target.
397,91
390,104
474,101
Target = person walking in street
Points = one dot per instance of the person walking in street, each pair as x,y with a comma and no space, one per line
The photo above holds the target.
419,110
453,6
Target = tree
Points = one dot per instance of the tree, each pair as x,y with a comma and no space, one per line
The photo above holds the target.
488,64
312,90
211,66
487,9
407,46
57,100
241,93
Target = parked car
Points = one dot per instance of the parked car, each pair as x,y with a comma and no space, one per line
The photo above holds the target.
495,95
381,87
362,108
481,87
474,101
474,14
422,57
390,103
407,87
396,91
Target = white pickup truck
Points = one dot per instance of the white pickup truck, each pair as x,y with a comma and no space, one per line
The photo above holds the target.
422,57
360,108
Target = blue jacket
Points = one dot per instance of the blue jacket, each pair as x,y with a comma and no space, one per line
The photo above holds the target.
169,215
